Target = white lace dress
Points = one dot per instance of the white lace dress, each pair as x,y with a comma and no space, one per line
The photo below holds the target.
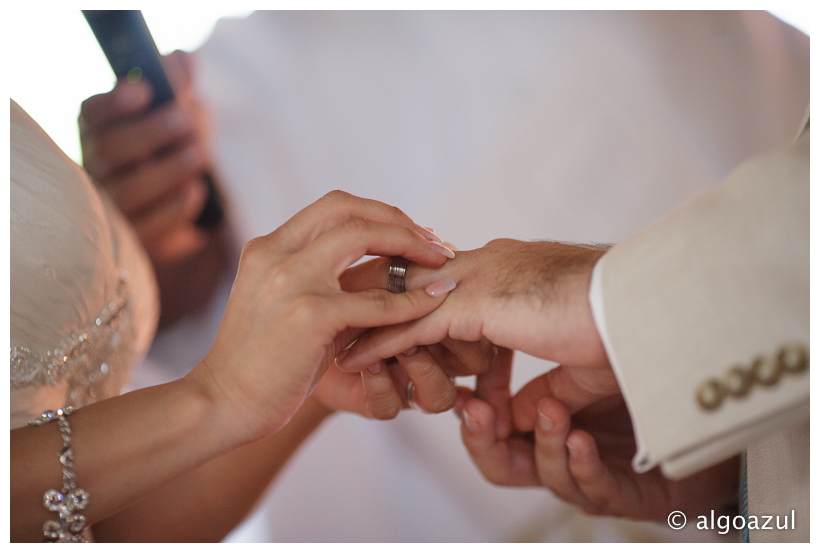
84,302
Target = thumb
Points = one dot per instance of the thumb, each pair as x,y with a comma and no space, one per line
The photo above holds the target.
575,388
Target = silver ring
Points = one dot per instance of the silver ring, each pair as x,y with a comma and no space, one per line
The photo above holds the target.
396,275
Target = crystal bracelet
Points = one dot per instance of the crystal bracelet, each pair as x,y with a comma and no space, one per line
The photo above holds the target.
69,528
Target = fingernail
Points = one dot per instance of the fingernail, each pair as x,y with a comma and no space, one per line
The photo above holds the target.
193,156
411,351
338,358
470,422
176,121
443,250
441,287
375,368
428,233
544,422
573,452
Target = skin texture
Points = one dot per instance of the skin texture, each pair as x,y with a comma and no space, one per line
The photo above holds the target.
530,296
506,297
246,404
584,458
568,430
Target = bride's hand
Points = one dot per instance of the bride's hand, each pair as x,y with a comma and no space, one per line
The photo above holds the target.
381,391
288,317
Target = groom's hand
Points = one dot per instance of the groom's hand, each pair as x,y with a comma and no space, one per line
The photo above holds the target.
585,458
528,296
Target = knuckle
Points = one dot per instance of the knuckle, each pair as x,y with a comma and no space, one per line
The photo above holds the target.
284,280
396,213
356,225
337,196
304,310
500,243
254,255
382,299
252,248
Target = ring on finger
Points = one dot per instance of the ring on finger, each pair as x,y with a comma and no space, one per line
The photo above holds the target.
397,274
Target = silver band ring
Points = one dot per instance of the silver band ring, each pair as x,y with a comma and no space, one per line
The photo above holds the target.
396,275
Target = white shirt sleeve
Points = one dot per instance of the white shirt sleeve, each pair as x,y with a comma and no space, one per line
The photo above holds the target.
640,463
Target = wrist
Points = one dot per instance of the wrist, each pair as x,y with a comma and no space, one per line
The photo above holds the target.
575,339
595,303
227,428
233,420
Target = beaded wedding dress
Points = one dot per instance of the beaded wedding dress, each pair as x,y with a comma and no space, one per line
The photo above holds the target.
84,302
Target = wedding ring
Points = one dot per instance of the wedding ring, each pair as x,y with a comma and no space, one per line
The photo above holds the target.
396,275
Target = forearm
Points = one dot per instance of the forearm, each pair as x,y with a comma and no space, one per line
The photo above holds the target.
205,504
125,448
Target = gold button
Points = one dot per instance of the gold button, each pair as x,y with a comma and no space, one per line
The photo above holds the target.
793,358
710,394
767,370
737,381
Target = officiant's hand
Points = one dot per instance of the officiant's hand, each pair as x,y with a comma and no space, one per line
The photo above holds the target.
288,317
151,162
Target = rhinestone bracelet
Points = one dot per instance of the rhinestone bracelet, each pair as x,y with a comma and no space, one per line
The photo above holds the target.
69,528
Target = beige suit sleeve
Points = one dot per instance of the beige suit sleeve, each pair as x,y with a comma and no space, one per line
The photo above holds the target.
721,284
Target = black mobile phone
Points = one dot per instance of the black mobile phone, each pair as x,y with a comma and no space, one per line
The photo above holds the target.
130,49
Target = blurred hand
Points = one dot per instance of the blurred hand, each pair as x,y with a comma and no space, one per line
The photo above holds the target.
151,162
287,316
585,458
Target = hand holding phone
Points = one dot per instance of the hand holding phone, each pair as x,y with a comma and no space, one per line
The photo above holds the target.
127,44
